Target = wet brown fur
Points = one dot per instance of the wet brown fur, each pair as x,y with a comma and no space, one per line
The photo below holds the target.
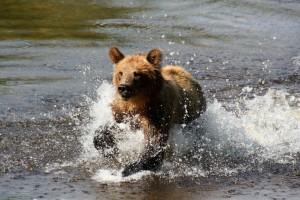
162,96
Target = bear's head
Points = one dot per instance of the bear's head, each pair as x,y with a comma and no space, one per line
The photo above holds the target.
136,75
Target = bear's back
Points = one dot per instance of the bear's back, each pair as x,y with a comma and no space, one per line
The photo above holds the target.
192,102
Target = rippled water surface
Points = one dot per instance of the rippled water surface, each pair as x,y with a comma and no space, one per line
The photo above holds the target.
55,86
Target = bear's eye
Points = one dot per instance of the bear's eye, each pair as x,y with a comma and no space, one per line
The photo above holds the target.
137,75
120,75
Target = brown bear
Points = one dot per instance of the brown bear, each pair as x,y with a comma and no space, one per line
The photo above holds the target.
159,96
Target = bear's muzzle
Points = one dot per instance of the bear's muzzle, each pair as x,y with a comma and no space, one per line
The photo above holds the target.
125,91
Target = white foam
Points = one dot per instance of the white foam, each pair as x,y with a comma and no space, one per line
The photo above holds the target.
273,123
267,126
115,176
100,114
268,122
130,143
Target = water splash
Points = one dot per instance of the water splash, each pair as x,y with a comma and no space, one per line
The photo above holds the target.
223,141
113,176
130,143
271,121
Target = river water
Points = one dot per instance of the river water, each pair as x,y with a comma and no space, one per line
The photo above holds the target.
55,87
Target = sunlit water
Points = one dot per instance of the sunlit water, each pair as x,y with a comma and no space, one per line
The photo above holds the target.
55,89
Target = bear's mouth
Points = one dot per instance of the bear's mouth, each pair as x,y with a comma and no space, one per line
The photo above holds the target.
125,97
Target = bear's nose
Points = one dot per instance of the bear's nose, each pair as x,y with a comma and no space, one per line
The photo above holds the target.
123,88
124,91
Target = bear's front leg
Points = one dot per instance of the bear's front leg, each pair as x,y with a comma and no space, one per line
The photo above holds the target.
151,160
156,137
105,141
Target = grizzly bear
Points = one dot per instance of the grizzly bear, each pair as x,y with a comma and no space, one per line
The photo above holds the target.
159,96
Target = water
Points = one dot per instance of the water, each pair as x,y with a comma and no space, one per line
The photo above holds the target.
55,86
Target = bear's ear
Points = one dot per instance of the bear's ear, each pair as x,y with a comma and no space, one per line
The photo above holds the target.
155,57
115,55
